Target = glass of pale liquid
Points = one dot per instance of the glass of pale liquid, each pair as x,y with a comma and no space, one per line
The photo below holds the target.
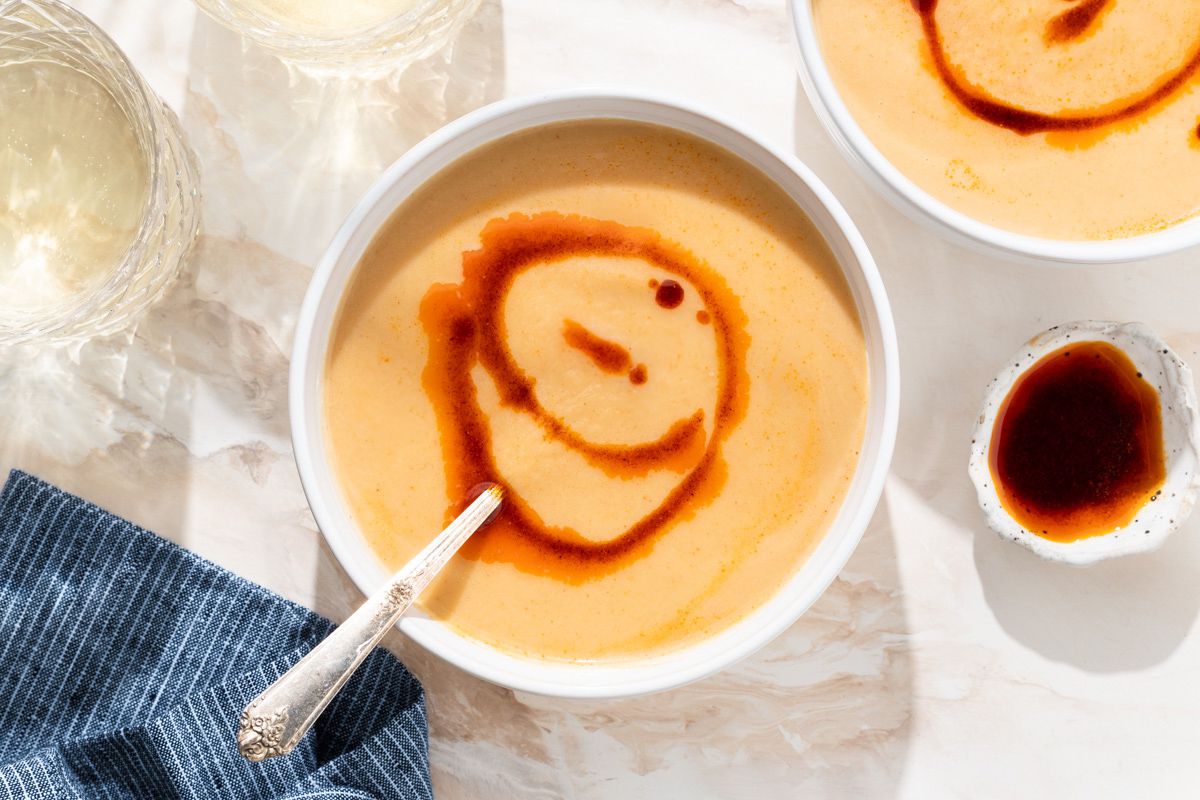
98,197
345,33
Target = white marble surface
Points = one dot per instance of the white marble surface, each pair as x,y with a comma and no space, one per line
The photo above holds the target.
942,663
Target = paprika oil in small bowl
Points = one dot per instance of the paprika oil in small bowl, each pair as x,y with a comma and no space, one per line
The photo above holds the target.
1088,445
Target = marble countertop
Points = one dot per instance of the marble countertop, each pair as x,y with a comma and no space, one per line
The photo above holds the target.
942,663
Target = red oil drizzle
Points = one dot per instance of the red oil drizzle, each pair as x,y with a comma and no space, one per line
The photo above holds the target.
608,356
703,317
637,375
1077,445
1064,27
465,326
1074,23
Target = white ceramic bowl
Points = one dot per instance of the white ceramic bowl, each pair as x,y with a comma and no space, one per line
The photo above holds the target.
936,215
635,676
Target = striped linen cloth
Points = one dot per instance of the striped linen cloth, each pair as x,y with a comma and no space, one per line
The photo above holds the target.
126,660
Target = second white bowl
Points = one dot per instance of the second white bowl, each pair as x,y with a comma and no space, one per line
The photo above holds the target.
923,208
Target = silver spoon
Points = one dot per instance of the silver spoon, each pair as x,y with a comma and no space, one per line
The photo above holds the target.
275,721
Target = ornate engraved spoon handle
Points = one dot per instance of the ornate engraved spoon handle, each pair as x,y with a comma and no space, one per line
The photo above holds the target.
277,719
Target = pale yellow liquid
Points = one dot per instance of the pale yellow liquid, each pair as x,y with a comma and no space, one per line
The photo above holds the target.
73,186
1122,179
329,15
789,460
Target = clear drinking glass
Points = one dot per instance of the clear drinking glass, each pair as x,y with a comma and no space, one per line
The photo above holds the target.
344,33
98,192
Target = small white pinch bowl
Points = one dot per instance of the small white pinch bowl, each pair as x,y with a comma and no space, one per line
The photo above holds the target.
651,673
1181,443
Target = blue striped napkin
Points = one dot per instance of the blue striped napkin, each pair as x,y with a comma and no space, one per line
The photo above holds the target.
125,662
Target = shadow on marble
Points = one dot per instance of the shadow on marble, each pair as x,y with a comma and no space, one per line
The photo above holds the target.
949,302
1124,615
93,417
285,154
125,421
825,710
89,419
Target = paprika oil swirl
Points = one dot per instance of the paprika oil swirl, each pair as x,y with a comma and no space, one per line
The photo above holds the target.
465,326
1065,27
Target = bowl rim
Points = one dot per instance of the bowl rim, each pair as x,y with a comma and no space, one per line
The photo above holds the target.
677,667
919,204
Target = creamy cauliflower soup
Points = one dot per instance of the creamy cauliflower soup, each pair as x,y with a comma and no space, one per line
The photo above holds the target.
1066,119
645,341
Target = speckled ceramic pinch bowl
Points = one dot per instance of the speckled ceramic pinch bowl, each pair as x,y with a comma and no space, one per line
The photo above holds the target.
1154,521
